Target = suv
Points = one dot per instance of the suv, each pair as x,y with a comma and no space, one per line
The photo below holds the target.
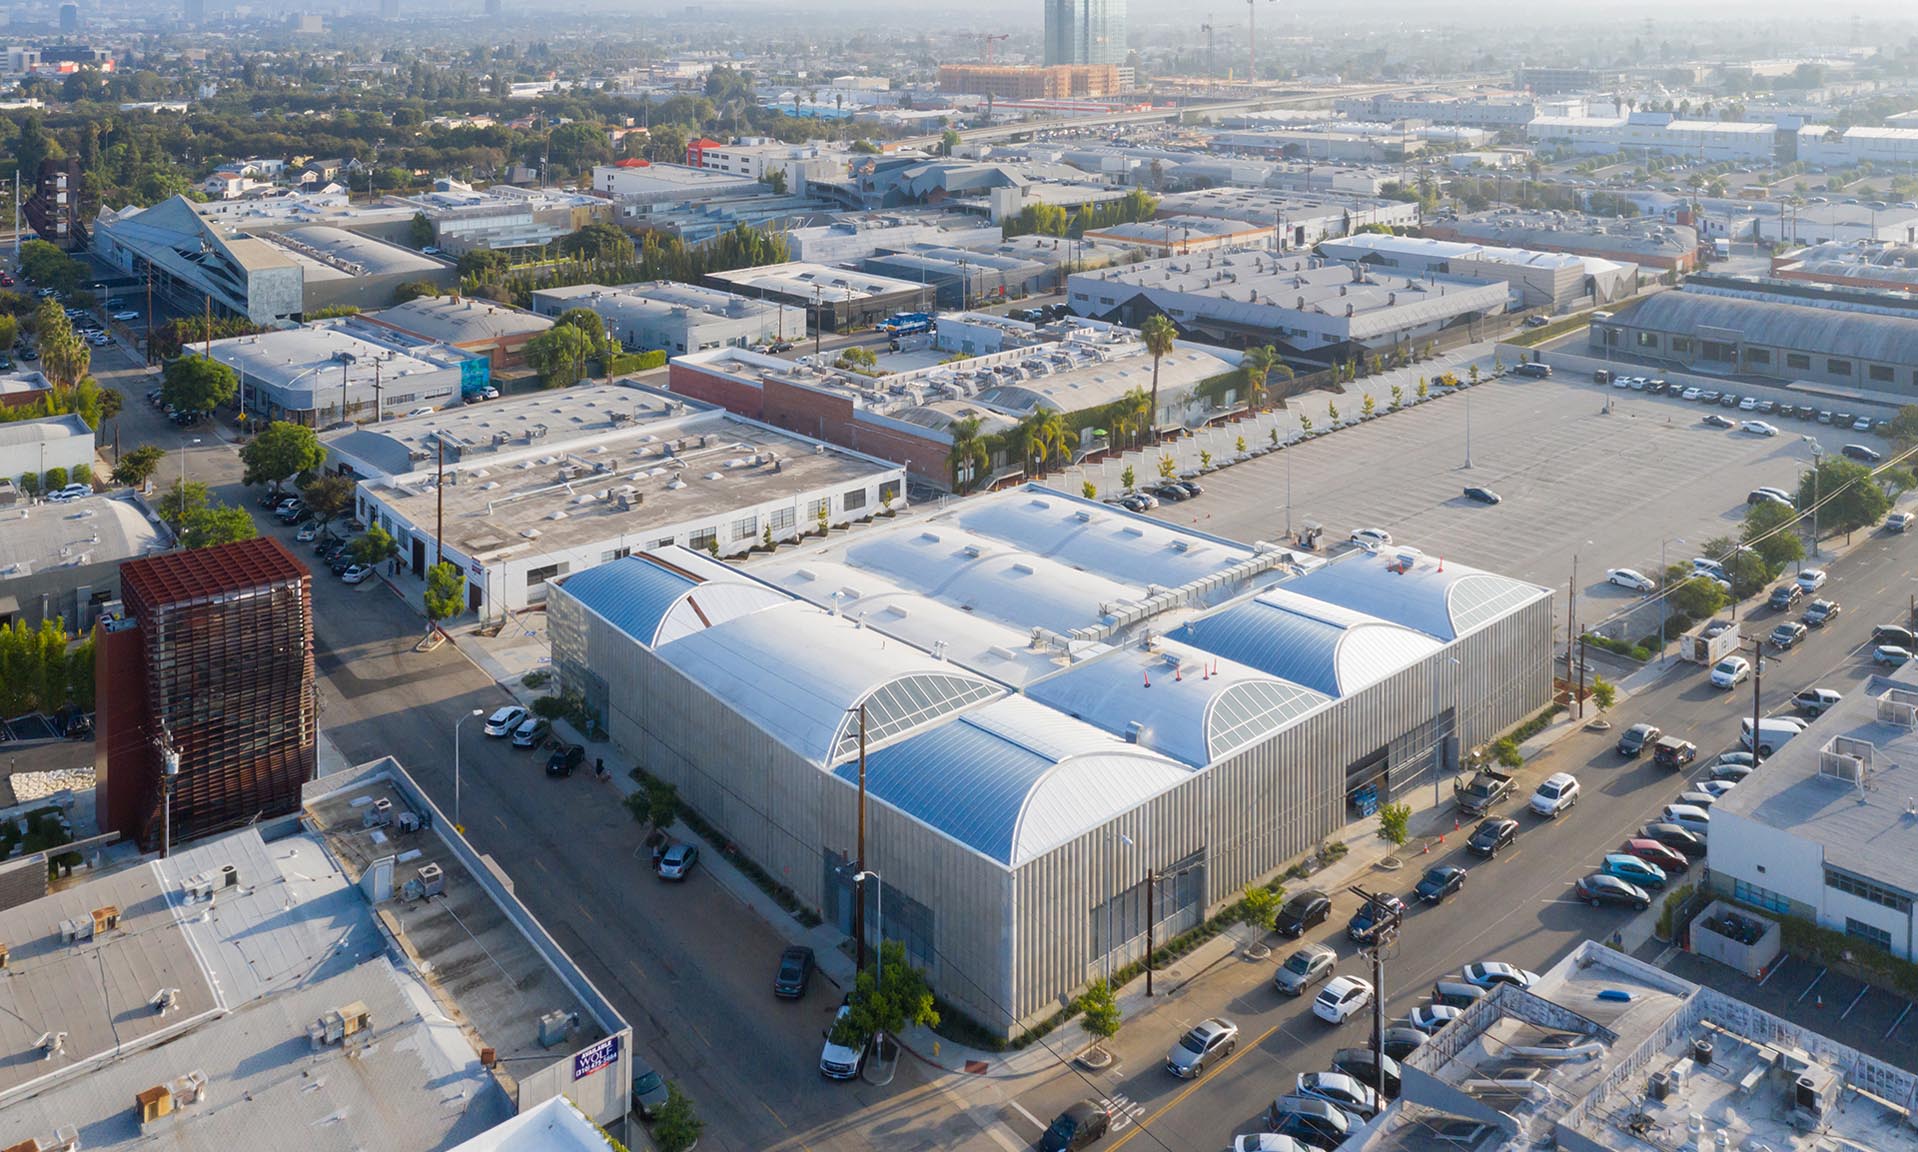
1671,752
564,759
1556,794
1785,595
838,1062
1816,701
1305,967
1367,921
1820,611
1534,369
1893,634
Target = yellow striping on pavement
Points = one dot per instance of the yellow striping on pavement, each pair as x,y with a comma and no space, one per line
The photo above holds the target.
1169,1105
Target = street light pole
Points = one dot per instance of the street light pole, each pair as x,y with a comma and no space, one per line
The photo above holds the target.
1817,457
1664,598
880,916
457,826
1468,428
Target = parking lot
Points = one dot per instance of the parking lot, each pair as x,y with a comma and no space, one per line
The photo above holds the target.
1811,995
1579,483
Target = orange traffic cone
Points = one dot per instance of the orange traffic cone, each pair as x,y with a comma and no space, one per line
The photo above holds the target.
1148,678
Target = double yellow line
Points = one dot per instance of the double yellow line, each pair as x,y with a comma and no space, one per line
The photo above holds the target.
1189,1089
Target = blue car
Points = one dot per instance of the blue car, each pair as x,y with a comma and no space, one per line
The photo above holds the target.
1632,870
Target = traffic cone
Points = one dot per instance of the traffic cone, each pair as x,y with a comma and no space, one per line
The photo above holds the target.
1454,823
1178,675
1148,678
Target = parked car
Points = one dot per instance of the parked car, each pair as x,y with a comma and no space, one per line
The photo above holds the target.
840,1062
1732,772
1717,421
307,532
1900,521
504,720
1439,882
1680,840
126,317
1820,611
1491,973
1788,634
1205,1042
1340,1089
1861,453
1456,993
1340,998
1533,369
795,973
1633,870
649,1090
678,861
1079,1126
1307,965
1401,1041
1492,834
1363,1066
1192,487
1758,428
1630,578
1482,495
531,732
1556,793
1429,1018
1731,672
1598,889
1651,851
564,759
1302,911
1890,655
354,573
1372,538
1785,596
1716,789
1815,700
1893,634
1671,752
1637,738
1171,493
1811,579
1365,923
1692,818
1316,1123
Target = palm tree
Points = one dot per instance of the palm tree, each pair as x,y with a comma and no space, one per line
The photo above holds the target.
1257,365
968,456
1045,438
1158,334
1130,414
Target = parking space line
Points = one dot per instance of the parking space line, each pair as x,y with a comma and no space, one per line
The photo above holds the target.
1854,1001
1021,1110
1774,971
1895,1023
1810,986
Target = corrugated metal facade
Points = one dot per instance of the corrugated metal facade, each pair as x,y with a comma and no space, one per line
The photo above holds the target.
1009,948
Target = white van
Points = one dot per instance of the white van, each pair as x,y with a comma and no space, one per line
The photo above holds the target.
1691,818
1773,732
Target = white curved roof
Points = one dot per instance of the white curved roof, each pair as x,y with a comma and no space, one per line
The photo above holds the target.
1328,648
1133,550
794,672
986,577
1437,597
1188,703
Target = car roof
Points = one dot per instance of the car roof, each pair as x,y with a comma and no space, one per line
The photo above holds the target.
1342,984
1561,778
1642,728
1082,1111
1623,857
1645,842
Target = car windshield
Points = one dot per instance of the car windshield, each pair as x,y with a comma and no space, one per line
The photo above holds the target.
1548,790
1435,876
1193,1041
1298,962
646,1082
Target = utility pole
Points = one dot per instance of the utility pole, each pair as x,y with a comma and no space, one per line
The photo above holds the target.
859,882
149,340
1384,935
1758,689
1581,677
170,775
815,323
376,391
209,326
439,502
1571,626
1151,882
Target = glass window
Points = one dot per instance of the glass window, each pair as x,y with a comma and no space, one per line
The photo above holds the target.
1838,367
1760,897
1758,355
1869,933
615,554
1797,360
817,508
746,528
1866,890
537,576
703,538
1646,339
1880,372
889,491
1682,344
853,500
781,520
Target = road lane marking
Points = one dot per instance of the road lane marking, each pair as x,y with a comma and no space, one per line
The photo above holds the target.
1895,1023
1854,1001
1021,1110
1003,1140
1193,1087
1810,986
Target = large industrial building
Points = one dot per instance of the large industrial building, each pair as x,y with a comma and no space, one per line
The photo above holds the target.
1316,309
498,332
1649,242
837,299
1553,281
1708,141
1299,220
533,487
266,270
502,217
960,277
1057,701
33,446
210,670
1017,82
329,371
675,317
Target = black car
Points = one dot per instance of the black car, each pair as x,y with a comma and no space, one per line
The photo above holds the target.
1482,495
1401,1042
1191,487
1893,634
1307,909
1679,840
1860,452
1493,834
795,972
564,759
1600,889
1172,493
1717,421
1440,882
1367,921
1363,1066
1636,738
1079,1126
341,562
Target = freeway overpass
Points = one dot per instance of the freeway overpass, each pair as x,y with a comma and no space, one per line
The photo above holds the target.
1172,112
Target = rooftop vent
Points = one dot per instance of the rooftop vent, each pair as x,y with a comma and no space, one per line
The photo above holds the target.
556,1027
340,1024
1848,759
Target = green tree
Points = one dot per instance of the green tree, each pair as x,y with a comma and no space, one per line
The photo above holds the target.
1367,407
1691,594
420,231
1044,434
598,241
280,452
1769,528
135,468
880,1009
1398,396
1744,567
328,496
1257,365
1604,693
54,478
1395,821
1852,497
81,474
445,593
1099,1010
198,384
1128,477
9,331
968,460
414,290
560,354
217,524
64,356
49,267
1168,467
1903,431
678,1127
375,546
948,141
1261,904
1089,490
182,500
1158,334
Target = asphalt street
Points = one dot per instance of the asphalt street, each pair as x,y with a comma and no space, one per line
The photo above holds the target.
1517,908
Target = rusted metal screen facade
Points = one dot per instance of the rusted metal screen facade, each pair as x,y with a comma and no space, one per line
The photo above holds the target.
227,638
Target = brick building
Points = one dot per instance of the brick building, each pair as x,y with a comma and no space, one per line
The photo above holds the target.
1014,82
212,661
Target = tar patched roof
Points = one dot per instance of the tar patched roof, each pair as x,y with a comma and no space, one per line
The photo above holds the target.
1014,779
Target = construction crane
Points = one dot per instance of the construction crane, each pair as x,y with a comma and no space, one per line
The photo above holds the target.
988,38
1207,29
1252,37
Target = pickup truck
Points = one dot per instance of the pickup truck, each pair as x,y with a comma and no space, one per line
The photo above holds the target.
1486,788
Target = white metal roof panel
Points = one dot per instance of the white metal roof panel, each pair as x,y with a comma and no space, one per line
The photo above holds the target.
1440,598
1128,549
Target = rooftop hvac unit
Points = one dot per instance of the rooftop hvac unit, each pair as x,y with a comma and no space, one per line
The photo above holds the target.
339,1024
229,876
433,880
408,821
76,931
106,918
556,1027
379,814
198,887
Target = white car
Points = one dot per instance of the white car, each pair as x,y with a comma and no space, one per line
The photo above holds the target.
1758,428
836,1061
1630,578
1429,1018
1748,404
1372,538
503,721
1340,998
1489,973
356,573
1691,393
1624,381
1812,579
425,411
1862,424
1731,672
1557,793
69,492
1890,655
1716,789
124,317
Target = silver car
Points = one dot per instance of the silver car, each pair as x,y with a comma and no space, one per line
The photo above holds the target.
1208,1040
1304,968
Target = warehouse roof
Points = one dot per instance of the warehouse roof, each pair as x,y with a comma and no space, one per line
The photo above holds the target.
329,253
1425,248
44,430
657,602
1292,637
1438,597
1014,779
458,320
1798,327
91,530
835,285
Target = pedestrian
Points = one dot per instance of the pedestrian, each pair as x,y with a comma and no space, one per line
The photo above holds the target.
599,767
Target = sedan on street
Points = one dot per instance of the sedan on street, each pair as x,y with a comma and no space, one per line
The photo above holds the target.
1493,834
1440,882
1304,910
1637,738
1630,578
1634,870
1207,1041
1599,889
1482,495
503,721
677,863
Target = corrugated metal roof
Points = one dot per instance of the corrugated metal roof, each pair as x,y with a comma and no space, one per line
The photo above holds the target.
633,595
1443,599
1308,643
1014,779
1799,327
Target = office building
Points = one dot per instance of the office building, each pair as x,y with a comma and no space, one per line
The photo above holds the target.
1496,112
533,488
1607,1053
194,12
1553,281
62,561
836,299
1316,310
501,217
675,318
1058,700
1016,82
331,371
69,19
1085,32
853,236
959,277
205,690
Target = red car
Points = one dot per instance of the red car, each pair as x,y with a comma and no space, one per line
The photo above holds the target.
1652,852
